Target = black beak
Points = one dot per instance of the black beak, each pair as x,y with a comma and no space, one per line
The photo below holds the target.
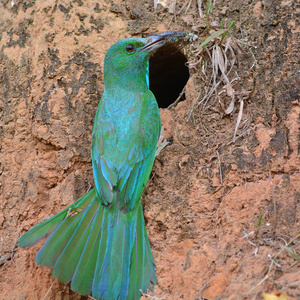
175,38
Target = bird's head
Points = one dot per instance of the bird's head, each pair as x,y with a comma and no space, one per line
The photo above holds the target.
129,58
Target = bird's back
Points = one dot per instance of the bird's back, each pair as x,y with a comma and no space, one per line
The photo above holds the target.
127,126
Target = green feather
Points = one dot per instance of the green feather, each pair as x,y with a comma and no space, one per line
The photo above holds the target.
44,229
68,260
84,273
100,243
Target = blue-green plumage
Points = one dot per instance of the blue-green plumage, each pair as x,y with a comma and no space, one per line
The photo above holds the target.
100,243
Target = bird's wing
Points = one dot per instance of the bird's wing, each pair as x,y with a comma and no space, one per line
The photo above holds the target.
122,164
104,141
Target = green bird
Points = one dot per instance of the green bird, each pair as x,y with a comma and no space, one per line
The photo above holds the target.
100,243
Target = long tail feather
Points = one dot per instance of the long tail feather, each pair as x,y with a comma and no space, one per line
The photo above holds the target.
44,229
84,273
96,248
73,251
142,270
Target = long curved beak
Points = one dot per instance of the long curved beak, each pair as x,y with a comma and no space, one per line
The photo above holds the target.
159,40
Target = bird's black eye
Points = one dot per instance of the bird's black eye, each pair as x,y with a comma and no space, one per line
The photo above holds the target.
130,48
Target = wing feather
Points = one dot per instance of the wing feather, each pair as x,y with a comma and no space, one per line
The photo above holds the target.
122,173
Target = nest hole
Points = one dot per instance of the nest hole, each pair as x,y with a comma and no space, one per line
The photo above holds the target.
168,74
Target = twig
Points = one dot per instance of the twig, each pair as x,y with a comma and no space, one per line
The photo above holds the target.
203,288
246,236
220,169
199,8
239,118
255,61
265,278
282,249
239,136
181,9
161,146
192,109
275,207
188,7
45,297
178,98
152,176
152,297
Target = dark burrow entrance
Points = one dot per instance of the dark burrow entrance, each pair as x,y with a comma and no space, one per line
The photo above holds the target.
168,74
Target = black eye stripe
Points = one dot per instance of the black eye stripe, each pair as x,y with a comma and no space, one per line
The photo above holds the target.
130,48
